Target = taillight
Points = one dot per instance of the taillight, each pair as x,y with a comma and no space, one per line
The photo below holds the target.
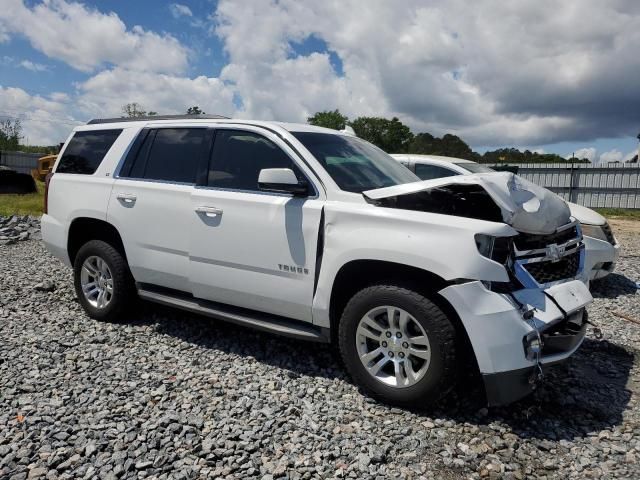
47,179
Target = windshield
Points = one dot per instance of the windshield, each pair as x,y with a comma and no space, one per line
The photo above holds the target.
475,167
355,165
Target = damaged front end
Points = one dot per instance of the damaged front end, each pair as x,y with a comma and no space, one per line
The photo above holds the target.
536,318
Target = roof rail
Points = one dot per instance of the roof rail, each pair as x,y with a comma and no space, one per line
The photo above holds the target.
154,117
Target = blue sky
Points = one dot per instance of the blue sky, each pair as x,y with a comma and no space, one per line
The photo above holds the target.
440,66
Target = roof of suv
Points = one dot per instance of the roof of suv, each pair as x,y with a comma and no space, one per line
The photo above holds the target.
190,119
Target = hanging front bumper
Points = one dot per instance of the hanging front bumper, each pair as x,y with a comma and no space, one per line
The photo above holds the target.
503,331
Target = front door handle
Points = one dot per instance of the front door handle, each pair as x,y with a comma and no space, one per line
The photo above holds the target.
126,197
209,211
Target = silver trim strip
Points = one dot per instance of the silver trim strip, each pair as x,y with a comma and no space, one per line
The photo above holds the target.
266,271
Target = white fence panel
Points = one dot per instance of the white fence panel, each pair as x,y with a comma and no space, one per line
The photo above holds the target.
613,186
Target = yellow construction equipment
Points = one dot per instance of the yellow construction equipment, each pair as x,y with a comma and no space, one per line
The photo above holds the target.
45,164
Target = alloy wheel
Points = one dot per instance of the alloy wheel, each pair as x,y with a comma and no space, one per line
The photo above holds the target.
97,282
393,346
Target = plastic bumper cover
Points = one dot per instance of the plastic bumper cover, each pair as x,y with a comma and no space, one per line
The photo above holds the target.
498,331
601,258
54,237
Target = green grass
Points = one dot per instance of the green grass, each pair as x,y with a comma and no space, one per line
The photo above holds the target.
625,213
28,204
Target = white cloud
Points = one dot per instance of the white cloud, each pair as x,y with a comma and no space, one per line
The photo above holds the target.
446,66
44,122
588,153
105,93
59,97
530,78
614,155
178,10
49,120
87,39
4,35
33,66
630,155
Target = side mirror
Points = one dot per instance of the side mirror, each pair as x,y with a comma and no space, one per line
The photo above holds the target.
281,180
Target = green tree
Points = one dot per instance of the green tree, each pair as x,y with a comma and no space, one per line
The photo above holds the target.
134,110
449,146
513,155
392,136
328,119
195,110
10,134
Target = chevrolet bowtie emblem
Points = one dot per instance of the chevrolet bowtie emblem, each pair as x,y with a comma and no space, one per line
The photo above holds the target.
554,252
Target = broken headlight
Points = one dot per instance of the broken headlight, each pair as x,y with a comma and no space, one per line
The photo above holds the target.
594,231
485,244
497,249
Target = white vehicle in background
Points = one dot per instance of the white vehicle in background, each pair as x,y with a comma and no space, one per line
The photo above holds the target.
602,249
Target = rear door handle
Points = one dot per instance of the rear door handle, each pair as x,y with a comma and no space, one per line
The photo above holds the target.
209,211
126,197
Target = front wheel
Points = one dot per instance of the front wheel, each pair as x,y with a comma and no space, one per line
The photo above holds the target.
102,280
398,345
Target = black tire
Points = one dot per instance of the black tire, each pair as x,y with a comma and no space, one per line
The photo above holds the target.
440,376
124,291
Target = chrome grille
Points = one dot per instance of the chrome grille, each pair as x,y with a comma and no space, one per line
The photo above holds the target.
546,271
527,241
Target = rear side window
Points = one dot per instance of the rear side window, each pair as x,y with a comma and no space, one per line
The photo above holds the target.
238,157
85,151
169,154
429,172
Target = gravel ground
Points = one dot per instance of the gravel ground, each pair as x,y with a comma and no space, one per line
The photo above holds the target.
18,228
165,394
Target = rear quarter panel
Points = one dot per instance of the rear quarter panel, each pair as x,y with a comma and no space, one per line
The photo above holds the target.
74,196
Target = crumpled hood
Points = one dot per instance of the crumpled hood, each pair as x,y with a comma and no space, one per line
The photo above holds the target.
525,206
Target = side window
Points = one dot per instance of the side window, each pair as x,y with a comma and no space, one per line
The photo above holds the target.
169,154
238,157
86,150
429,172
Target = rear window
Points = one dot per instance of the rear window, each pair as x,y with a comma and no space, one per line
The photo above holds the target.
85,151
430,172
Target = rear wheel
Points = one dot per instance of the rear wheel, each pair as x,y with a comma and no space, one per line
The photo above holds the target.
398,345
102,280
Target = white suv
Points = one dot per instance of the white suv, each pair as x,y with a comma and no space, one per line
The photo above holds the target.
319,235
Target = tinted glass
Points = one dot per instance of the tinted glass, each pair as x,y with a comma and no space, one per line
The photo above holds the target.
174,155
355,165
239,156
86,150
429,172
475,167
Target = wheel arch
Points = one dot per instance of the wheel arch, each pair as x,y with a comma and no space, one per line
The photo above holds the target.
358,274
84,229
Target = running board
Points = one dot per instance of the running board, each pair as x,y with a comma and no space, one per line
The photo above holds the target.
241,316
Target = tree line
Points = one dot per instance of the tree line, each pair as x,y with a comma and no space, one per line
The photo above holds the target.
392,136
